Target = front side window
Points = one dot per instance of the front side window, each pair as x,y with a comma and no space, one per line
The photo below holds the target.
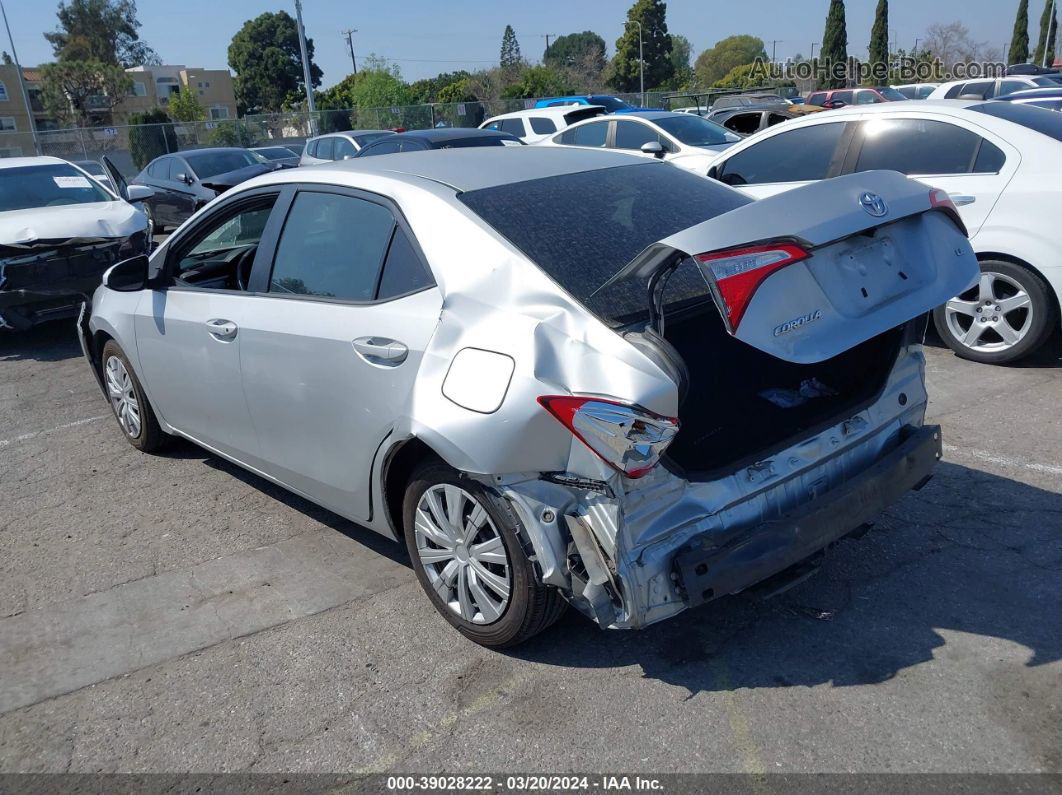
694,130
48,185
919,146
382,148
865,97
343,149
798,155
367,138
816,99
743,123
160,169
1010,86
222,248
591,134
331,246
841,96
632,135
512,126
210,164
325,147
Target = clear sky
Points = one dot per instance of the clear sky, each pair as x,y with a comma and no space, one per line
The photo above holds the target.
428,36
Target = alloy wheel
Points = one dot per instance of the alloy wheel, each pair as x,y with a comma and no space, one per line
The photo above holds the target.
462,553
992,316
123,396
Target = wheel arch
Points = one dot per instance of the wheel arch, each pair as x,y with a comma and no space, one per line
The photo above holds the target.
397,469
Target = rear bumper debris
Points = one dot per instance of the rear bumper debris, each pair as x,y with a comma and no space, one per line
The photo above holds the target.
705,570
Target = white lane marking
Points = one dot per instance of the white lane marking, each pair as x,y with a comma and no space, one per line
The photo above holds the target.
1004,460
33,435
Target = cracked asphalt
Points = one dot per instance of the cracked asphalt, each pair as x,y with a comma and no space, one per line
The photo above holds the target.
172,613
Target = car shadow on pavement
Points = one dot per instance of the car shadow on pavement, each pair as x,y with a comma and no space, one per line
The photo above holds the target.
48,342
1048,356
971,553
183,449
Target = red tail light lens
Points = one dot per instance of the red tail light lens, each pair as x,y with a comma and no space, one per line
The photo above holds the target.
738,272
629,439
940,199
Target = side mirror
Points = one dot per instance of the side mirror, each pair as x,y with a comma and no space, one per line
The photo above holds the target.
835,104
127,276
182,177
140,193
654,148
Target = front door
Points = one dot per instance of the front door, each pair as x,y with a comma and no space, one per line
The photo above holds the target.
330,355
189,333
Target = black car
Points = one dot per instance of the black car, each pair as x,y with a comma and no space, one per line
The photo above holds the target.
277,154
185,181
439,138
751,118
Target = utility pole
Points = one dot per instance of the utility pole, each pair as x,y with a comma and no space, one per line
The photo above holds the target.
774,46
350,43
21,82
813,45
546,37
915,50
1050,20
307,81
641,59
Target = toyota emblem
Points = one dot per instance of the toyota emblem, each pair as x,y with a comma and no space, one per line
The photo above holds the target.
874,204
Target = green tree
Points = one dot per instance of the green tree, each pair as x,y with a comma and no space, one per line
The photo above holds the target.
834,46
150,135
511,59
461,91
1045,45
185,106
80,92
738,77
377,85
234,133
717,61
1019,39
656,48
586,49
265,55
7,58
100,30
681,66
539,81
429,88
879,34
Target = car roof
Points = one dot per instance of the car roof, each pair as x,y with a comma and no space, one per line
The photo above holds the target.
1047,92
344,134
560,110
654,115
17,162
441,134
463,169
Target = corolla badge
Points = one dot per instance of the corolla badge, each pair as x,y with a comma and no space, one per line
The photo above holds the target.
873,204
797,322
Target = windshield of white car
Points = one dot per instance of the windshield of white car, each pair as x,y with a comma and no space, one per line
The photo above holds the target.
696,131
47,185
1047,122
598,221
209,164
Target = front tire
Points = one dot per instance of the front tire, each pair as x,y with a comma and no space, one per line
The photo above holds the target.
130,405
1006,316
466,550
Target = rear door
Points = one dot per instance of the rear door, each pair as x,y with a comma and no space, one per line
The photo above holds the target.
786,159
345,309
971,164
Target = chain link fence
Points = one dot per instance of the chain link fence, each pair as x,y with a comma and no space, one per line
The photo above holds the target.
131,147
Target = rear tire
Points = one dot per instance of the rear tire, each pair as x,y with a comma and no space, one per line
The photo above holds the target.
1006,316
130,405
474,568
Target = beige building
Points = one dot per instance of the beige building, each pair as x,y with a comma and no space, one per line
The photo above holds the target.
152,87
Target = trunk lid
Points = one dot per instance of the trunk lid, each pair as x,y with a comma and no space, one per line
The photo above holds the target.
866,253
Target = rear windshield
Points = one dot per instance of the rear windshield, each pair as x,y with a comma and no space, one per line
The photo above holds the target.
210,164
49,185
598,221
1043,121
694,130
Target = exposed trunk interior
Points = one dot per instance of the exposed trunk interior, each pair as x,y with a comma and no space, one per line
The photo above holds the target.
743,402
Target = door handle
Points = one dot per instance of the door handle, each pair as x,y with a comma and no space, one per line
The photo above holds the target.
381,351
961,201
221,329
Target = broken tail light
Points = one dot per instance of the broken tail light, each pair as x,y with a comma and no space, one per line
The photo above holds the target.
631,440
738,272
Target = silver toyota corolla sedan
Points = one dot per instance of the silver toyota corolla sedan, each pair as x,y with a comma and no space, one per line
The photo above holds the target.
559,376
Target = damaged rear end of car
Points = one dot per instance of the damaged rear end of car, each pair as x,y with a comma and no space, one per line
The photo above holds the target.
787,333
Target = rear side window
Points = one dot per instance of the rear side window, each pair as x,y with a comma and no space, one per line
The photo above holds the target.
816,99
592,134
798,155
1049,124
542,125
986,89
342,148
403,272
955,91
382,148
776,118
744,123
921,146
512,126
331,246
598,222
325,148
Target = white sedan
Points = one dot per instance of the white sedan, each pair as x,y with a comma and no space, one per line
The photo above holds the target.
682,139
1000,162
532,126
